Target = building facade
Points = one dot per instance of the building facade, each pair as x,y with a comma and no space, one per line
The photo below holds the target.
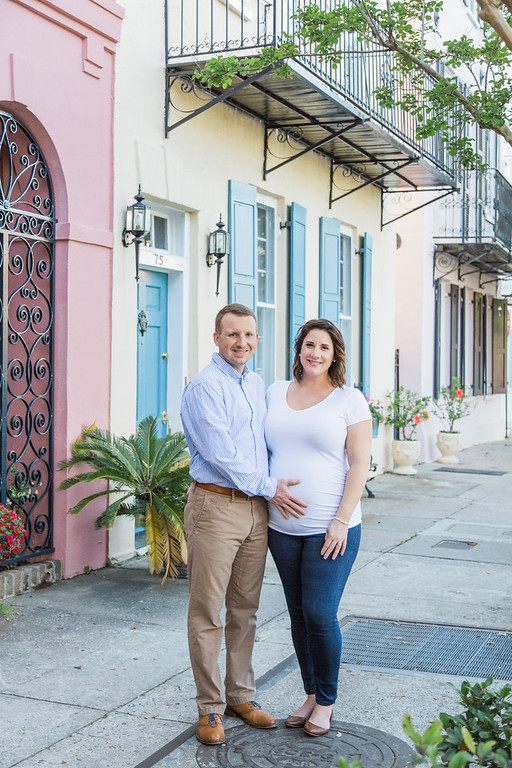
454,268
297,170
56,209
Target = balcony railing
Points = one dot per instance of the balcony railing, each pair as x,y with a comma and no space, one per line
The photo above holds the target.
199,29
481,213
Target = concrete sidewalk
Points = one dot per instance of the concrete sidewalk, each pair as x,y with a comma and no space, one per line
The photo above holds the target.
94,671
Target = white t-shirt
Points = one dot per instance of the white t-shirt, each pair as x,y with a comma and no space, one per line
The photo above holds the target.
309,445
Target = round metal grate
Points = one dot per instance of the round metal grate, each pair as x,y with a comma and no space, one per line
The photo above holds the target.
285,747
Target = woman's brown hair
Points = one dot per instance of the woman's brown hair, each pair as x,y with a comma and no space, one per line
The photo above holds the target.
337,369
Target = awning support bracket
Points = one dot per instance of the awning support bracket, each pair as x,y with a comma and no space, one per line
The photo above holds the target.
309,147
366,183
217,99
417,208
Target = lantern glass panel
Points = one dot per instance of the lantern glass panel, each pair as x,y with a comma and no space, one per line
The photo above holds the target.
220,241
129,218
139,218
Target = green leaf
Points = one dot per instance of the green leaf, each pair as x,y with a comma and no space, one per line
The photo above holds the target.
460,760
468,740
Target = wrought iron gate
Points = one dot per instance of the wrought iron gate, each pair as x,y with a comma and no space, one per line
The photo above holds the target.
27,229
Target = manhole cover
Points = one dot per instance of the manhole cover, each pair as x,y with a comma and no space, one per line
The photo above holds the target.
285,747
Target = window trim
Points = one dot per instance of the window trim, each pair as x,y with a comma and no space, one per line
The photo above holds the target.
347,232
270,203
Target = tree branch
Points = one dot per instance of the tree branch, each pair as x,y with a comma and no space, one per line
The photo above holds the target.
490,12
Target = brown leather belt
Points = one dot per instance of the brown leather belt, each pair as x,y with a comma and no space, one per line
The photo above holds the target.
233,492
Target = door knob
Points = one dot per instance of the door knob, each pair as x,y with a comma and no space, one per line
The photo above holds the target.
164,355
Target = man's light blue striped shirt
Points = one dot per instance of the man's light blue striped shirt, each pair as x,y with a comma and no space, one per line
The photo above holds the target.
223,416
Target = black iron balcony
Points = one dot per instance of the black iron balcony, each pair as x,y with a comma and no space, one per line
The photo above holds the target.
331,110
476,223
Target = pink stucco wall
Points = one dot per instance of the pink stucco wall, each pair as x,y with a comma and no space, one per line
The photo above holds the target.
57,78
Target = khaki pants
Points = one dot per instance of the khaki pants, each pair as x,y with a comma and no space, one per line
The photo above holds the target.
227,545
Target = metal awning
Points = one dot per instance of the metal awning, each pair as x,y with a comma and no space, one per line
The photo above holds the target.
305,113
487,258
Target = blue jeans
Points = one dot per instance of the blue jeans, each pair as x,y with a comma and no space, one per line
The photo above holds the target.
313,588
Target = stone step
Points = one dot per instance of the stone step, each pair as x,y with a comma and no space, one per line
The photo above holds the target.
27,577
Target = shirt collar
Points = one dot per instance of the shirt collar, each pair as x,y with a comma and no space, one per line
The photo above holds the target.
228,369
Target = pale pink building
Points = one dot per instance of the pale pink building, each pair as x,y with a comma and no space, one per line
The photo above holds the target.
57,69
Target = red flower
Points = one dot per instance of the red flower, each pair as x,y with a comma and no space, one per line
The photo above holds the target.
459,393
417,418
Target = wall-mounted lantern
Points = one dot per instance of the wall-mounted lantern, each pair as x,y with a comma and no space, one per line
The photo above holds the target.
136,226
218,247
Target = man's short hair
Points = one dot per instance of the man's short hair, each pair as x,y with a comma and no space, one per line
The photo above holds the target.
234,309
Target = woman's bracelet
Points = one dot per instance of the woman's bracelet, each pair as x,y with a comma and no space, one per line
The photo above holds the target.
341,521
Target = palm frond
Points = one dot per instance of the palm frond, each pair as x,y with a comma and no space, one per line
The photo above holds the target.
174,450
171,510
147,441
177,551
87,500
97,448
156,539
107,518
103,473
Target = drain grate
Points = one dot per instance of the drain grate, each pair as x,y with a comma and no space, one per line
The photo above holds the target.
464,471
434,648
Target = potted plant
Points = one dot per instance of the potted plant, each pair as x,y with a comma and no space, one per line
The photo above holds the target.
450,406
377,413
405,411
147,475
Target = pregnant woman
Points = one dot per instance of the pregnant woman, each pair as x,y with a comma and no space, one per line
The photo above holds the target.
318,430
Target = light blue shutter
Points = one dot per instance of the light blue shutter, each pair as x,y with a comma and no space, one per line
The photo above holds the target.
297,273
243,229
329,305
367,311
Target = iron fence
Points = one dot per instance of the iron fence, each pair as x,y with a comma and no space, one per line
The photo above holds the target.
481,212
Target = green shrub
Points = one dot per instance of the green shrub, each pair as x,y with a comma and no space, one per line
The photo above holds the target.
480,735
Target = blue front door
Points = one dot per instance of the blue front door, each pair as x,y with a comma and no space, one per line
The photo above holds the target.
152,348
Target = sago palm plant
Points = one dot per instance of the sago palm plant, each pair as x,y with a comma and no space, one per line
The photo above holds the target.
147,475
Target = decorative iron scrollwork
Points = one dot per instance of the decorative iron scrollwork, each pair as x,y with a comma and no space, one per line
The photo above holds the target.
27,229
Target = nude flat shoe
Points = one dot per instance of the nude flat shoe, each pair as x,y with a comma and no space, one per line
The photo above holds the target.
315,730
293,721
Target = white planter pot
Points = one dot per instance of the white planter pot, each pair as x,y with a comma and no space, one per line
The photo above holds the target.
405,453
121,538
449,445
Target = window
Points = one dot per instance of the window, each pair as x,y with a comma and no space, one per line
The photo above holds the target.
346,299
165,240
455,368
478,345
499,346
265,293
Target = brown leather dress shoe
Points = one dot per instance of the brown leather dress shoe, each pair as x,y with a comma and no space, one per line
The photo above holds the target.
315,730
252,714
210,729
293,721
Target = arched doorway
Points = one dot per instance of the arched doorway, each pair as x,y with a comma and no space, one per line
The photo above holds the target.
27,232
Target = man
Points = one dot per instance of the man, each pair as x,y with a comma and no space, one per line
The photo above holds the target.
223,412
